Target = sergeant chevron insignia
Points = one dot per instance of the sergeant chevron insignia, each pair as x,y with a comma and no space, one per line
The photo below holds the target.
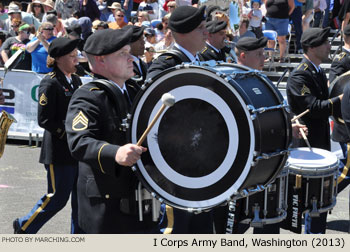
43,100
80,122
305,90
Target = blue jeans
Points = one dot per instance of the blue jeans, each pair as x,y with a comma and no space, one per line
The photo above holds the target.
61,182
128,11
326,15
296,17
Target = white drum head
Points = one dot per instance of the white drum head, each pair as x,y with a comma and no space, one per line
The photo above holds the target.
316,162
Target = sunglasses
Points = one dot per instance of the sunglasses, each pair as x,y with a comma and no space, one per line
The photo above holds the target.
14,26
120,15
37,5
48,29
171,6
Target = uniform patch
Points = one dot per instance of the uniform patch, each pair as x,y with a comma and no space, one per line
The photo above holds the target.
80,122
305,90
43,100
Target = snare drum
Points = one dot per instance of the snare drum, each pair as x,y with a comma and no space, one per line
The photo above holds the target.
227,133
268,206
315,174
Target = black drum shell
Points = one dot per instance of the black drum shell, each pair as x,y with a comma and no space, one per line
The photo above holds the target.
336,88
272,129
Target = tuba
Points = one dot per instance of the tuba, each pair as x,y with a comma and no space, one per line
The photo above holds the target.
5,122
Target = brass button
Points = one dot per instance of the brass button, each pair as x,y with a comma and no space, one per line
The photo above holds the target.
107,196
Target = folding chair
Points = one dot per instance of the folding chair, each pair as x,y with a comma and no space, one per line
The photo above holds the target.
272,36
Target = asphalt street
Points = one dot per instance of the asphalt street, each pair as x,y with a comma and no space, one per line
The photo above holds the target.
23,182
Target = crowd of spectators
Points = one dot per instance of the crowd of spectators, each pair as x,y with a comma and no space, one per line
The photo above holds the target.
30,26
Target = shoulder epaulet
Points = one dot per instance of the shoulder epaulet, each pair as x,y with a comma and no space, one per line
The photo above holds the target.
51,74
303,65
205,48
340,56
94,88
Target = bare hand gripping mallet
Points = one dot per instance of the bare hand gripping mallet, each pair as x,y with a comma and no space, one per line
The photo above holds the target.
168,100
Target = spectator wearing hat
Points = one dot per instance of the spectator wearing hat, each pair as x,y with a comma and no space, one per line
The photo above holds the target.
113,8
190,33
36,9
55,92
66,8
119,23
307,89
48,5
106,183
14,11
39,46
88,8
150,35
13,44
215,48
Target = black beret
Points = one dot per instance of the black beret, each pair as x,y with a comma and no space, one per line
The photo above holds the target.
210,10
347,30
314,37
108,41
62,46
216,26
137,32
185,19
250,44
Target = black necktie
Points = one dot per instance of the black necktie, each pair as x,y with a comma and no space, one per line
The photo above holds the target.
127,98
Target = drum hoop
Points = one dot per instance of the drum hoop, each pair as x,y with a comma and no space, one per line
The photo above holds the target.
159,192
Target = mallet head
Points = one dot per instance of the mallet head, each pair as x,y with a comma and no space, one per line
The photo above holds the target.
168,99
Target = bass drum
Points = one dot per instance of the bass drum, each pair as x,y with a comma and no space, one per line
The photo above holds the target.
336,88
226,136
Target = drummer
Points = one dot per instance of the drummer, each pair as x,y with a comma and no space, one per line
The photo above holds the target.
216,48
190,33
307,89
188,27
340,65
106,183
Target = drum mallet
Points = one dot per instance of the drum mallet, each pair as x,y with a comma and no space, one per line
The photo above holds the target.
304,136
300,115
168,100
